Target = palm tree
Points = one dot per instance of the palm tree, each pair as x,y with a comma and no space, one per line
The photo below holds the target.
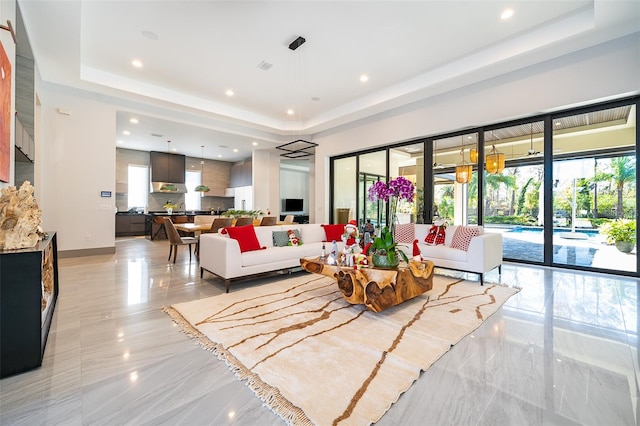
623,170
493,182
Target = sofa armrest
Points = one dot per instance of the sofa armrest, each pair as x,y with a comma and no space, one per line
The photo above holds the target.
220,255
485,252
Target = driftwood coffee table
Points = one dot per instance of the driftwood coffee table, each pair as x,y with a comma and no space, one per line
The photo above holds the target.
378,289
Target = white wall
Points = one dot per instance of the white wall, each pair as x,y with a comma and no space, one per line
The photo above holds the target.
8,12
77,160
266,181
602,72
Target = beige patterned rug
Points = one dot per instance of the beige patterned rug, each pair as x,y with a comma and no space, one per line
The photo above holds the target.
315,359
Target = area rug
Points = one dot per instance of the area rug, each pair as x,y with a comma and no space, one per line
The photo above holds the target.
315,359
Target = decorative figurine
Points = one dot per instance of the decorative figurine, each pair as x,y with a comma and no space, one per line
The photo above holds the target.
350,233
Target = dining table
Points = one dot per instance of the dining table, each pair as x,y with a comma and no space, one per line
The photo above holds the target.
192,228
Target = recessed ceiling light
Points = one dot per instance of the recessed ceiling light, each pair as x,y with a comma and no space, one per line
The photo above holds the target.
150,35
290,112
137,63
229,92
219,155
506,14
364,78
173,149
126,132
134,121
235,149
120,142
254,143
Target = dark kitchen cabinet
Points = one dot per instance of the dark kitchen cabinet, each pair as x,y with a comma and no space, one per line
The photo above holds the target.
28,295
130,224
167,167
241,174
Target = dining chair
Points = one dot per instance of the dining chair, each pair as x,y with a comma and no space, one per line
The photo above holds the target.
268,221
176,240
243,221
158,221
288,219
219,222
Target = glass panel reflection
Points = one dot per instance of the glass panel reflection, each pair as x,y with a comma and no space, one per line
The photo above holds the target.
137,282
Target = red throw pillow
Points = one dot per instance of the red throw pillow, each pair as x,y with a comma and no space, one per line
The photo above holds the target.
463,235
436,235
333,232
246,237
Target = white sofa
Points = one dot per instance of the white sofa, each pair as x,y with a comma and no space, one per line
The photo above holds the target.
221,256
484,253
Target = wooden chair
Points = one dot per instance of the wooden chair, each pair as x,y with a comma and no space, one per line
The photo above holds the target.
288,219
158,221
268,221
219,222
176,240
243,221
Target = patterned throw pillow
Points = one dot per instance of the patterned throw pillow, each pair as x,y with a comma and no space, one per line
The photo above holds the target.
436,235
281,238
463,235
404,233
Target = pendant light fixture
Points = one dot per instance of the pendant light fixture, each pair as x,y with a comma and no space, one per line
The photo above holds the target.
202,187
473,155
464,171
169,187
495,160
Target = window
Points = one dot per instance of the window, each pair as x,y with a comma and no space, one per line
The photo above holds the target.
192,199
138,186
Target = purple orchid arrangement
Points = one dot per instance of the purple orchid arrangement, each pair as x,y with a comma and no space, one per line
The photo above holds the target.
401,188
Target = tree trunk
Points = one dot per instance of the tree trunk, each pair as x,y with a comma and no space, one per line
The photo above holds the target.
619,209
377,289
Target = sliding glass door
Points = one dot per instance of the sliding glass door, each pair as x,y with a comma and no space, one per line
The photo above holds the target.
560,187
594,188
514,189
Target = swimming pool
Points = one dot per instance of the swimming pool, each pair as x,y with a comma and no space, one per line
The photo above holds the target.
538,230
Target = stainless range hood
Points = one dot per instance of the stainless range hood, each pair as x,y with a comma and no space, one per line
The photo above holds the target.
181,188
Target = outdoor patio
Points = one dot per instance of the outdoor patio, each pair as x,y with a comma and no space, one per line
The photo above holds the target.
590,252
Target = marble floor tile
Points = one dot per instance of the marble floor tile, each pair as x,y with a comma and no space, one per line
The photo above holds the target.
564,350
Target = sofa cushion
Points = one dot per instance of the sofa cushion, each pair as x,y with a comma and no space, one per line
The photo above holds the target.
463,235
333,232
404,233
311,232
279,254
442,252
246,237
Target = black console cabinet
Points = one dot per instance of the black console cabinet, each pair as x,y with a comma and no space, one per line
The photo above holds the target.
24,324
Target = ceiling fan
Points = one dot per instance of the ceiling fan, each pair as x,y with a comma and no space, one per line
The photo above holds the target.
532,151
437,165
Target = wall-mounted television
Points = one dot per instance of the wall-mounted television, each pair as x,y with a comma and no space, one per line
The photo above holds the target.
293,205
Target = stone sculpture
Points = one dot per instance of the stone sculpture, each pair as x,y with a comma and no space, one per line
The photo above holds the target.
19,217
